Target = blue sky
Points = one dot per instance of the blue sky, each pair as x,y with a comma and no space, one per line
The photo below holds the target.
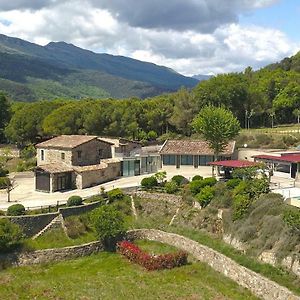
189,36
283,15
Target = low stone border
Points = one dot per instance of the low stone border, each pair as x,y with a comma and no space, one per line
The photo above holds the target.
256,283
50,255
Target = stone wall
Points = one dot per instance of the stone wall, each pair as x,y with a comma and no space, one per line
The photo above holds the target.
257,284
95,177
78,210
289,262
268,257
33,224
50,255
175,199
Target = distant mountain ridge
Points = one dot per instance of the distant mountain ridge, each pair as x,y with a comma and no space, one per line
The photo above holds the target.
29,72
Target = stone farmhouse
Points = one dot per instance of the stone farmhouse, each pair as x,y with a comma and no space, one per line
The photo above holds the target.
74,161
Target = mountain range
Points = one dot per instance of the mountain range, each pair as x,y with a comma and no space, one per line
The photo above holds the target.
29,72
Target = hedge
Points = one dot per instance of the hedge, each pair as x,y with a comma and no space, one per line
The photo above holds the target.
74,201
151,262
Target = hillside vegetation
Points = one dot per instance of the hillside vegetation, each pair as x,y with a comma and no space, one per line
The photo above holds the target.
29,72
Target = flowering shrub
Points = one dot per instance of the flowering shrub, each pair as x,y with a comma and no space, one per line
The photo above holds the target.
151,262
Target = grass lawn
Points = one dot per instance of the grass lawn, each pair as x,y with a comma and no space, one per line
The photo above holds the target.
110,276
56,238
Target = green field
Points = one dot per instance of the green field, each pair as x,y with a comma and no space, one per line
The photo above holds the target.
110,276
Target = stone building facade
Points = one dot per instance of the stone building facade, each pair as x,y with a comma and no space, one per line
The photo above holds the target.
74,161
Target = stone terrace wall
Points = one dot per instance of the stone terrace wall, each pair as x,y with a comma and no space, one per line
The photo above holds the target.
175,199
50,255
78,210
257,284
32,224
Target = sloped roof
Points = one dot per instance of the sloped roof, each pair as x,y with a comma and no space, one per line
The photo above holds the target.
66,141
234,163
55,168
292,158
193,147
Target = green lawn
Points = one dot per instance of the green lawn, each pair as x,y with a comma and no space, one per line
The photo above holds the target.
110,276
56,238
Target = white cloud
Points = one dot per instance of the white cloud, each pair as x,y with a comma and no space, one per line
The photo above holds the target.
229,47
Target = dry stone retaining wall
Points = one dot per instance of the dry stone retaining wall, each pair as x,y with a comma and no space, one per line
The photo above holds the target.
257,284
50,255
78,210
32,224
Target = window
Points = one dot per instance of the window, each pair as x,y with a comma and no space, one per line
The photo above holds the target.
187,160
79,153
169,160
100,152
42,155
205,159
63,156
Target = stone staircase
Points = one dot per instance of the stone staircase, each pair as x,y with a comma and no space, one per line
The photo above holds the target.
57,222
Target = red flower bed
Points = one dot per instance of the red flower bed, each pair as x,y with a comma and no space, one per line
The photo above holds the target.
151,262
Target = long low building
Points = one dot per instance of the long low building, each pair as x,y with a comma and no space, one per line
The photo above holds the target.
191,153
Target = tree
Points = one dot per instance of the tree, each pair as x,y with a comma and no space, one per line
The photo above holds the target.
4,115
218,126
109,224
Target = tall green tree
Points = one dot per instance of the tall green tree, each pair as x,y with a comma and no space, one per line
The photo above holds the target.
4,115
218,126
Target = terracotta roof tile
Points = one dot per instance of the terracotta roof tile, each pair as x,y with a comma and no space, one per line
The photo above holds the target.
55,168
66,141
192,147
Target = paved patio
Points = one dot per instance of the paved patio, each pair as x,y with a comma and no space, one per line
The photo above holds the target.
25,194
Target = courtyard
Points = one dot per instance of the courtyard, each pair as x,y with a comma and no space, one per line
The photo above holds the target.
25,193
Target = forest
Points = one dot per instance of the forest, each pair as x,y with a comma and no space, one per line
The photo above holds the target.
264,98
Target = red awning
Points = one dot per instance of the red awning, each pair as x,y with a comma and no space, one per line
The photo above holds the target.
234,163
291,158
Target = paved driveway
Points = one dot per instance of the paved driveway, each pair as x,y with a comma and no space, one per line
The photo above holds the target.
25,194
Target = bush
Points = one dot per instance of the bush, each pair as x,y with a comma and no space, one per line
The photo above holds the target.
10,235
292,218
74,201
4,182
241,205
197,185
75,227
115,194
149,182
108,224
171,187
197,177
180,180
16,210
2,213
232,183
205,196
256,187
222,196
151,262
